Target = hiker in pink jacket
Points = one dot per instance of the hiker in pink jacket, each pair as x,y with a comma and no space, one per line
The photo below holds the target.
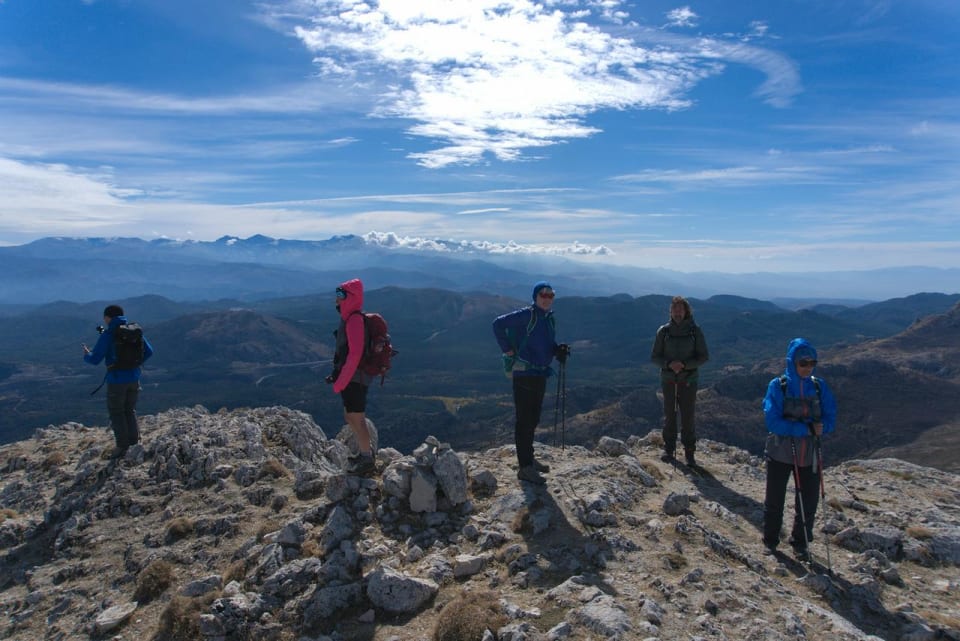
348,379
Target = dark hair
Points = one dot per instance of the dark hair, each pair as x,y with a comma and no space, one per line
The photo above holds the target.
112,311
686,305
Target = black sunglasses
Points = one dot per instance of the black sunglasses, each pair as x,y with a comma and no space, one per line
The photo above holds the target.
341,292
806,362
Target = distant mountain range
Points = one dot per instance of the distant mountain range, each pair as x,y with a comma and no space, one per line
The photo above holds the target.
260,267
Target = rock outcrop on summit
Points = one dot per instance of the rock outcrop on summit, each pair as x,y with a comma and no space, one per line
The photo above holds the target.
243,524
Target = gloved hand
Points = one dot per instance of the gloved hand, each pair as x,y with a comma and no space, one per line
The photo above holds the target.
562,351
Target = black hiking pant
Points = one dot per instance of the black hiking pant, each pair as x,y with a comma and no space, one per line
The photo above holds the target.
528,394
778,474
122,406
686,402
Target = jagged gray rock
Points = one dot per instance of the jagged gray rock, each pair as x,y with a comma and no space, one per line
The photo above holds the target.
399,593
617,544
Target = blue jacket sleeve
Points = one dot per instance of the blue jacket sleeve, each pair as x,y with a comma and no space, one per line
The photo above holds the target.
828,407
99,350
516,321
147,349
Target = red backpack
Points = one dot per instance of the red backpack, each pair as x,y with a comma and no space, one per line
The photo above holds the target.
377,348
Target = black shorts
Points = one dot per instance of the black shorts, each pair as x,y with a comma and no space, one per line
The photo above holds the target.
354,397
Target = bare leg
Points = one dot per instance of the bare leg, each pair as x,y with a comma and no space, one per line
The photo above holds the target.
358,423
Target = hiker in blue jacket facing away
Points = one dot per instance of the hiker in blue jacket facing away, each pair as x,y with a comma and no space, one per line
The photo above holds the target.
527,338
799,408
123,385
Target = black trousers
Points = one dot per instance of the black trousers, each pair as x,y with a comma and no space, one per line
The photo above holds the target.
777,476
687,393
528,394
122,406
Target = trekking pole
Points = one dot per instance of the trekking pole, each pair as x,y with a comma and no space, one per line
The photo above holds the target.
556,406
563,406
676,409
823,500
799,495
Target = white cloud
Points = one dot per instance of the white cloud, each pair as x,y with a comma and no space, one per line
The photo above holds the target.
392,240
682,17
498,77
306,97
727,176
50,195
758,29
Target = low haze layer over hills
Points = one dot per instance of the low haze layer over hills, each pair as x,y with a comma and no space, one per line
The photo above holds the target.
259,267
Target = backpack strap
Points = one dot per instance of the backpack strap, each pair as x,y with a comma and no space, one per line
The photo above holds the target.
530,325
816,384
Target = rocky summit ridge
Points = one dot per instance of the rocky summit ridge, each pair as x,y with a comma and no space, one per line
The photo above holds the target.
243,524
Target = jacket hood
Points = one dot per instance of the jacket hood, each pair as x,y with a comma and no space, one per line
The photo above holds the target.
798,347
354,300
117,321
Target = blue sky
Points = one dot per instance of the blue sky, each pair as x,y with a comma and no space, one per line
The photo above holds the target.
731,136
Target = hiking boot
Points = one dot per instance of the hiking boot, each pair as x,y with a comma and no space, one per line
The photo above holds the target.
691,461
770,548
115,453
363,464
541,467
530,474
800,549
668,457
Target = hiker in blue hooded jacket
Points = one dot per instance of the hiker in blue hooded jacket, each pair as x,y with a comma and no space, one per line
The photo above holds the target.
123,385
799,408
527,338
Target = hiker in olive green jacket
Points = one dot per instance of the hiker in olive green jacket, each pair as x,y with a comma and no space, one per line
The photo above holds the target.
679,350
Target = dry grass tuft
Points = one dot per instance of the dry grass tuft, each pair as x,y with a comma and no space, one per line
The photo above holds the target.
835,503
7,513
236,572
920,532
945,620
273,468
265,529
468,616
674,561
180,620
179,528
311,548
153,580
902,475
650,468
521,522
54,459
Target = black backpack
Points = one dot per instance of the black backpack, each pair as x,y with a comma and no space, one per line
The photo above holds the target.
127,346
